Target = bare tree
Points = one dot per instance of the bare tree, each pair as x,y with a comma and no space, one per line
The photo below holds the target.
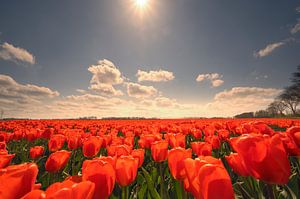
276,108
291,98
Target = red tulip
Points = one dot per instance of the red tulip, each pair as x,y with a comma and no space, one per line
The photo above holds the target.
176,159
208,179
126,170
139,154
119,150
176,140
92,146
57,161
17,180
5,159
202,148
36,152
63,190
264,157
102,174
159,150
56,142
294,133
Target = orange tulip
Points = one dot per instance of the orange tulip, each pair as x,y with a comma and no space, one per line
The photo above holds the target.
17,180
139,154
57,161
208,179
5,159
92,146
102,174
202,148
63,190
159,150
56,142
126,170
176,159
36,152
259,153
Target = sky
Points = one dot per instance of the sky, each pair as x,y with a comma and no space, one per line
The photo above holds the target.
168,59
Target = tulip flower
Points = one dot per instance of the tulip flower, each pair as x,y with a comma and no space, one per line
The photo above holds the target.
139,154
208,179
294,133
119,150
176,158
102,174
159,150
126,170
36,152
176,140
17,180
64,190
57,161
5,159
56,142
264,157
202,148
92,146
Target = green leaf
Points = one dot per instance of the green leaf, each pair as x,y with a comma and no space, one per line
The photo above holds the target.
142,191
150,184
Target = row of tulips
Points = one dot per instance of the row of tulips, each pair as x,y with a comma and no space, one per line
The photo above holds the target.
150,159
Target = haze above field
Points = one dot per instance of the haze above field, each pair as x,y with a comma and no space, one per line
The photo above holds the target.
155,58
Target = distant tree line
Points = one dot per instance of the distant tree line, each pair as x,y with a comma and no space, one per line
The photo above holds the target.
284,105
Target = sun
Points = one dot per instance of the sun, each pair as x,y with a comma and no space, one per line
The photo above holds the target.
141,4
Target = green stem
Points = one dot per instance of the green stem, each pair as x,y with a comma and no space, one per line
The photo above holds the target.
161,180
124,192
183,192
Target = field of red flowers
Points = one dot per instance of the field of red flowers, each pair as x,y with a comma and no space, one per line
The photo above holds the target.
97,159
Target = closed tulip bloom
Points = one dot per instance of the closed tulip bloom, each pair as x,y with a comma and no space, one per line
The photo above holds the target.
208,179
5,159
237,165
126,170
202,148
17,180
56,142
103,175
159,150
57,161
176,159
92,146
36,152
139,154
176,140
119,150
64,190
264,157
294,133
74,142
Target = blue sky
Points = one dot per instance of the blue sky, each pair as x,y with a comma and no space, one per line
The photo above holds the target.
244,52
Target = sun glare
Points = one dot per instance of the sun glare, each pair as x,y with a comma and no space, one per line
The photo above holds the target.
141,4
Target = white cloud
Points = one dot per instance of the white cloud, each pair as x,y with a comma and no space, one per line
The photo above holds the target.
214,78
155,76
140,91
296,27
165,102
241,99
268,49
11,89
105,72
105,75
298,9
16,54
16,98
105,89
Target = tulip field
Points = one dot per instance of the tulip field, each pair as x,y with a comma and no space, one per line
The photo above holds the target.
172,159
